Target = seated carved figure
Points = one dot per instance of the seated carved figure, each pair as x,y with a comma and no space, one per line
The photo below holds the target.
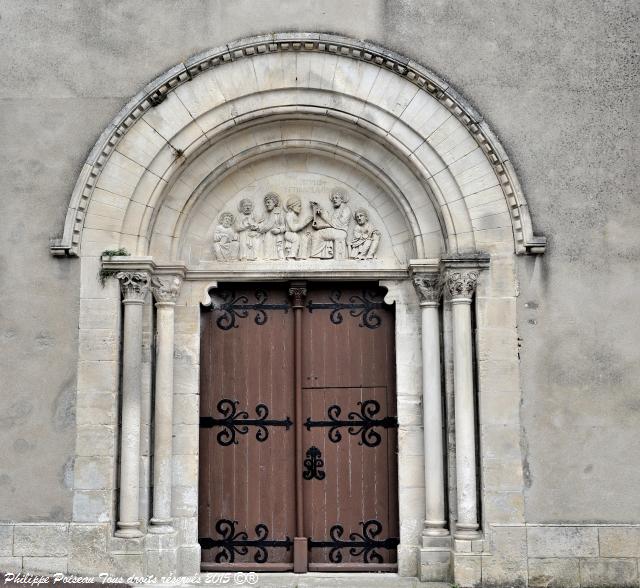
329,239
225,239
296,238
364,238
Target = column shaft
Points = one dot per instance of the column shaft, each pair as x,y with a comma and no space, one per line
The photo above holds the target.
464,418
163,420
134,288
432,412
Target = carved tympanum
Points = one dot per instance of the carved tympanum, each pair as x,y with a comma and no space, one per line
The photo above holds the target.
278,234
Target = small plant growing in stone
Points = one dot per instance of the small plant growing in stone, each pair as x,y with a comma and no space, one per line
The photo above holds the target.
104,273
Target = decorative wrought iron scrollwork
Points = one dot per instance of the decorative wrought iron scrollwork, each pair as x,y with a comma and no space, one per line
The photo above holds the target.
234,422
360,544
233,543
358,306
313,465
363,424
234,307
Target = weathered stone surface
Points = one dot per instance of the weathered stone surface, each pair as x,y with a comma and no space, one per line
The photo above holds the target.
562,541
41,540
619,541
10,564
554,572
45,565
467,570
6,540
609,573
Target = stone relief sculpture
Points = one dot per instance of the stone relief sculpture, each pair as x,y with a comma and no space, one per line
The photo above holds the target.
279,234
225,239
273,228
298,235
331,228
248,227
365,238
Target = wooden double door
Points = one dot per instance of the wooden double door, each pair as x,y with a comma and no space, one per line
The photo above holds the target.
298,429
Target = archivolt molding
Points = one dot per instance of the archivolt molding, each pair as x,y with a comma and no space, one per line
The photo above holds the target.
156,92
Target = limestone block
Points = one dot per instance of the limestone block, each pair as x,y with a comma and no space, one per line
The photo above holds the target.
10,564
619,541
93,473
425,156
391,92
496,343
500,374
185,409
186,378
169,118
604,572
184,501
99,314
6,540
187,528
554,572
185,439
408,558
120,175
508,542
187,348
409,411
490,222
502,474
503,507
128,564
424,114
189,560
411,470
163,562
160,541
499,407
501,442
95,408
141,143
45,565
41,540
125,545
97,345
185,470
467,570
496,312
562,541
88,549
500,571
411,441
187,319
486,196
92,506
97,376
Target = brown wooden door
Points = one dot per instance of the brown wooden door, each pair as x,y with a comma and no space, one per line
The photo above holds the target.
254,496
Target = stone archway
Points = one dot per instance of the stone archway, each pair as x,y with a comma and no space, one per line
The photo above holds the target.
276,111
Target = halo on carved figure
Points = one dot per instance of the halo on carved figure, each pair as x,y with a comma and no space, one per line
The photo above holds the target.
228,215
273,196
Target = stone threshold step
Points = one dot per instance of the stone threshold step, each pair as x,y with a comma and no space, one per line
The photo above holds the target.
321,580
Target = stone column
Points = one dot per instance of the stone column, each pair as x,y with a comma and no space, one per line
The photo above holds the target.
165,291
429,289
135,286
461,284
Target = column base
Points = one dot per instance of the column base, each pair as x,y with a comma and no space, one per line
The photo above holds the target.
468,532
128,530
161,526
435,529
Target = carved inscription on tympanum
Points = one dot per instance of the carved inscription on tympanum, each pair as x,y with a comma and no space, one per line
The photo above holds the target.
290,230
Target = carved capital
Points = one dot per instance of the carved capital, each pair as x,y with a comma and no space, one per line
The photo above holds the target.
462,284
165,289
134,285
429,288
298,293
